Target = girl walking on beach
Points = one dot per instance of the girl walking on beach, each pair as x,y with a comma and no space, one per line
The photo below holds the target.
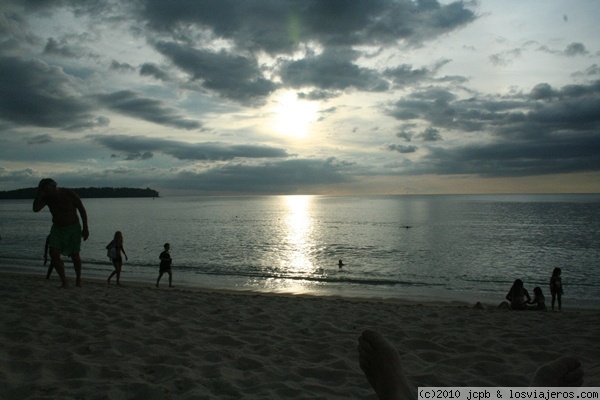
115,248
556,289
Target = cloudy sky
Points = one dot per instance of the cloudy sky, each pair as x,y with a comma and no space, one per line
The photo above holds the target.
301,97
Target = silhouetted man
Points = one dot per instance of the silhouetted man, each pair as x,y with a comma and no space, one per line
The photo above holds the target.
66,233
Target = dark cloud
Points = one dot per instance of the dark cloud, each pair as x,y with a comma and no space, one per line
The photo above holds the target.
544,109
407,136
149,69
430,135
273,177
279,27
62,49
572,50
34,93
286,176
331,71
130,103
555,155
40,139
439,107
139,156
544,91
282,26
117,66
232,76
401,148
140,145
505,58
92,123
403,74
593,70
318,94
23,175
545,131
575,49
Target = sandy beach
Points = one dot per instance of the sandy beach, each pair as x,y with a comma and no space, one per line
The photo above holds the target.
139,342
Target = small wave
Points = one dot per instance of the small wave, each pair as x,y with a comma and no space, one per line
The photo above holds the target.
323,279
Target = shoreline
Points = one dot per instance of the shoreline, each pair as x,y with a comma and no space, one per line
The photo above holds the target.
207,290
428,299
102,341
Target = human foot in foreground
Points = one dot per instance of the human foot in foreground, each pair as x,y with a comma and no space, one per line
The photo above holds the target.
566,371
380,362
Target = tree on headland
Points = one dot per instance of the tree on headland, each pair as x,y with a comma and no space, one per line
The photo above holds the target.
90,192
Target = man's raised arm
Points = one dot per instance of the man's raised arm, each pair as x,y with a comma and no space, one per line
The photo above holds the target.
39,202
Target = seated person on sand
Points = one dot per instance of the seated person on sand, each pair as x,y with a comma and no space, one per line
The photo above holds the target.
516,296
539,301
381,364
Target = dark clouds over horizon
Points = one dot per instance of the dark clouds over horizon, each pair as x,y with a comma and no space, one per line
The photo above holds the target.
297,96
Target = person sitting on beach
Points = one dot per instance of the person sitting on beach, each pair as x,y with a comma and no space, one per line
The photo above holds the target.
115,248
517,295
539,301
380,362
556,289
66,231
165,265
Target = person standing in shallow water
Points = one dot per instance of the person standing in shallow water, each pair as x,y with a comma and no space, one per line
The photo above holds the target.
115,248
165,265
66,232
556,289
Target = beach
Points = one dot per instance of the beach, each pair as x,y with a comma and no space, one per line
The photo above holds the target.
140,342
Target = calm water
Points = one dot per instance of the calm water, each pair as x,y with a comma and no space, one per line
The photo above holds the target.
464,248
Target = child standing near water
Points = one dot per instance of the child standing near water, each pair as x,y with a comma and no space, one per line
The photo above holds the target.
165,265
556,289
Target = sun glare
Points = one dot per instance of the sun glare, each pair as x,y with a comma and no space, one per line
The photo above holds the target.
293,116
299,228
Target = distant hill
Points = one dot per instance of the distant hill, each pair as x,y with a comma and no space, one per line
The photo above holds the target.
105,192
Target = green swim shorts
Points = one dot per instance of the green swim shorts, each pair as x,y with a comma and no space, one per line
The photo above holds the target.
66,238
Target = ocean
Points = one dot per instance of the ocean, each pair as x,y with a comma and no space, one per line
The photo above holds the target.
448,248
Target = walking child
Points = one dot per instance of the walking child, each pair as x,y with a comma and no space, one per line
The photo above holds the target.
115,248
165,265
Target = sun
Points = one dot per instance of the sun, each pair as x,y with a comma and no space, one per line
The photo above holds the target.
292,116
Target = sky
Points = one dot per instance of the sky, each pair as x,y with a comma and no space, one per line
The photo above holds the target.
339,97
